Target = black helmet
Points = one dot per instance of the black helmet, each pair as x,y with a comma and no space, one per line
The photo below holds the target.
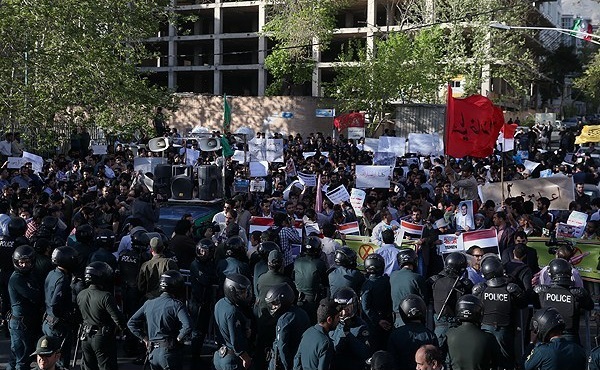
16,227
374,264
65,257
21,254
41,245
235,247
560,272
491,267
279,298
172,282
98,273
84,234
312,246
139,237
469,308
106,239
265,248
456,263
205,249
238,289
347,298
546,320
407,256
413,307
48,225
345,257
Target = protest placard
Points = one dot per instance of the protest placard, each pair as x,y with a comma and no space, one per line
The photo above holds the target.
239,156
530,165
100,149
559,190
370,145
241,186
425,144
312,154
392,144
147,164
290,168
258,150
373,176
16,162
307,179
275,150
564,230
577,218
191,156
258,186
357,198
356,133
259,169
338,195
449,243
37,162
384,159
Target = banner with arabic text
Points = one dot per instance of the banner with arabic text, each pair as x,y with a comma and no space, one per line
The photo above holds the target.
559,190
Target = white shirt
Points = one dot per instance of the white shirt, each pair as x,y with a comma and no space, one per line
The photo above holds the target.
5,148
329,247
219,218
376,237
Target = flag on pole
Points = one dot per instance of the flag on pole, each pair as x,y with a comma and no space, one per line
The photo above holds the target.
319,198
581,25
507,137
485,239
344,121
226,114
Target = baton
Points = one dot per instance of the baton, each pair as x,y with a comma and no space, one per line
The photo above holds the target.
77,342
448,296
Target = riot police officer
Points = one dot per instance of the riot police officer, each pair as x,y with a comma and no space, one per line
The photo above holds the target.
446,287
292,321
105,242
310,276
101,317
163,323
261,265
43,262
351,338
84,246
567,299
406,281
235,251
376,301
234,326
482,349
8,244
203,278
405,340
60,308
26,298
345,274
501,301
553,351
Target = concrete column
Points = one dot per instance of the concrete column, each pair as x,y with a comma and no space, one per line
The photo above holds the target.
218,76
262,47
316,76
172,55
486,74
371,19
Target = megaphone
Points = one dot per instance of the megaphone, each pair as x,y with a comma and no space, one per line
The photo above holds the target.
158,144
209,144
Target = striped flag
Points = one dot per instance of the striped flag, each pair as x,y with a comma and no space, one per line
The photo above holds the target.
260,223
581,25
485,239
349,228
410,228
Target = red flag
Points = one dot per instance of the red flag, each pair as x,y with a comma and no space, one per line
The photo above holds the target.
472,126
349,120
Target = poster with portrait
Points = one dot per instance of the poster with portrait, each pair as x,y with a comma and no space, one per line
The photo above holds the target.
464,216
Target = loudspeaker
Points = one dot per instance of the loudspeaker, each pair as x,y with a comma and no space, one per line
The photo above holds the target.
210,184
162,180
182,169
182,187
158,144
209,144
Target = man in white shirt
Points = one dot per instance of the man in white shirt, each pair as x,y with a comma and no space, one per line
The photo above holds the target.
389,251
220,217
6,145
387,223
329,245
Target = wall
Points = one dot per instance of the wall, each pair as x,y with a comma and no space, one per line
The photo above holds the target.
261,114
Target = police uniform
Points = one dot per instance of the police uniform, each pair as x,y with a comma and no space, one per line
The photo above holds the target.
231,265
315,350
167,323
594,359
569,302
260,267
203,277
233,326
26,299
310,277
405,340
343,277
288,333
501,301
8,244
101,317
351,342
376,303
404,282
470,348
102,255
558,353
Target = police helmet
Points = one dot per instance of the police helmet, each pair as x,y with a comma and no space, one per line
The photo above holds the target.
413,307
469,308
48,225
16,227
456,263
106,239
84,234
560,272
98,273
65,257
279,298
234,247
139,239
41,245
374,264
312,246
205,249
406,256
22,254
345,257
238,289
172,282
348,300
491,267
546,320
264,248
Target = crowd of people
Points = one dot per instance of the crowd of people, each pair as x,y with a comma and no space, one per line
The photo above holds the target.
83,262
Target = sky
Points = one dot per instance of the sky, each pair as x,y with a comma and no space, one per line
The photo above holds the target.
586,8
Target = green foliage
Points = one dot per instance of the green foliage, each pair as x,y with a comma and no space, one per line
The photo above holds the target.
590,80
57,55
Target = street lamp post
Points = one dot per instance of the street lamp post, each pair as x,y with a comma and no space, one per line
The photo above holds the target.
505,27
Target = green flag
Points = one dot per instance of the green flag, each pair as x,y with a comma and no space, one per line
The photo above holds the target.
226,114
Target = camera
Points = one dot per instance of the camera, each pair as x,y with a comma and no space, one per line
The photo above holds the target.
553,244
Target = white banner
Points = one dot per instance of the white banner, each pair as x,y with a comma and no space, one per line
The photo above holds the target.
100,149
258,150
392,144
449,243
559,190
356,133
425,144
307,179
384,159
373,177
191,156
370,145
147,164
16,162
357,198
37,162
275,150
311,154
259,169
239,156
338,195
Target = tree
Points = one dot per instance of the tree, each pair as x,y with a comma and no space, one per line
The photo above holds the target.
59,57
589,81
